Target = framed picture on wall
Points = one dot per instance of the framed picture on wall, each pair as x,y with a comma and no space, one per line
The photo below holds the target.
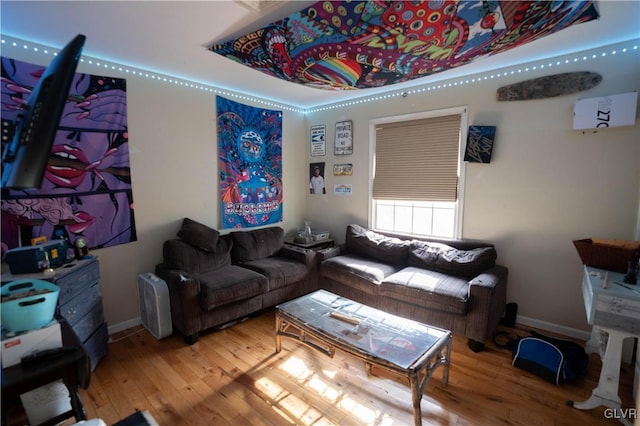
480,144
343,144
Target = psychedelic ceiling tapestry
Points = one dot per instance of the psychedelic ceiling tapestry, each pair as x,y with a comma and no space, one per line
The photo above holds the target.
86,190
250,164
340,45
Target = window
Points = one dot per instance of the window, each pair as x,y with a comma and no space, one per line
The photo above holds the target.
417,183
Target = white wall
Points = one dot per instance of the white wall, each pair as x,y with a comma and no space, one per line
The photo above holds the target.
546,185
173,148
173,144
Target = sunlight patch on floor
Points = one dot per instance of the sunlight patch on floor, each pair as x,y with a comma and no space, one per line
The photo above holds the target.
296,367
352,406
324,389
321,383
286,404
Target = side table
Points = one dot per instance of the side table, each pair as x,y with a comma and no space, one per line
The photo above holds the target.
73,367
613,310
315,245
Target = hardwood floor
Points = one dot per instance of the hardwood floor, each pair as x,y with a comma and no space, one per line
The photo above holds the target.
234,377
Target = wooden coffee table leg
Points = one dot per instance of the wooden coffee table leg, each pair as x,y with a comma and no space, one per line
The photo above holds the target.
278,336
418,384
368,367
447,363
416,397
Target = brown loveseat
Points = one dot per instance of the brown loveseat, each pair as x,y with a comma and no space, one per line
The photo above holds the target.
214,279
452,284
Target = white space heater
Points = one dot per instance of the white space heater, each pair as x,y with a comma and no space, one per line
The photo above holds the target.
155,308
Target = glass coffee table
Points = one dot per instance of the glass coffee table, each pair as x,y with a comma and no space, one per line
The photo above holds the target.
326,322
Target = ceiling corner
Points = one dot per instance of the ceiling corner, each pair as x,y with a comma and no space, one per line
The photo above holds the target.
258,6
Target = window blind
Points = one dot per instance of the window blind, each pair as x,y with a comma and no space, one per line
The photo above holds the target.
417,159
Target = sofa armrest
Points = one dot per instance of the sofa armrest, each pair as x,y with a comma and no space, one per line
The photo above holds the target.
306,256
487,302
330,252
184,293
179,280
489,278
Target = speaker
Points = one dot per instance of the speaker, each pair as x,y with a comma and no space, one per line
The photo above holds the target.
511,312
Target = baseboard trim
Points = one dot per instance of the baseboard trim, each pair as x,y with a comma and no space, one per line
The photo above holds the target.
555,328
530,322
121,326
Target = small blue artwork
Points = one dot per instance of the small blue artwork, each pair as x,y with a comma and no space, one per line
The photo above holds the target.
480,144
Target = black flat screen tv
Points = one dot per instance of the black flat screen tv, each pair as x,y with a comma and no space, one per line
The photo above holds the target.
25,158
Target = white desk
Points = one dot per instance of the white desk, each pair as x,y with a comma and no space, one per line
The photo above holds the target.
614,310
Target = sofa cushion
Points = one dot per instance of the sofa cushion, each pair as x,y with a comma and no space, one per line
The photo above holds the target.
198,235
359,272
448,260
431,289
228,285
364,242
185,257
256,244
280,272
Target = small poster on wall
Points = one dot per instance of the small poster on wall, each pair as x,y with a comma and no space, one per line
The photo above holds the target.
318,140
316,179
343,144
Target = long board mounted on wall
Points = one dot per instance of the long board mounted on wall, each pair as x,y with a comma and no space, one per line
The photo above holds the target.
605,111
549,86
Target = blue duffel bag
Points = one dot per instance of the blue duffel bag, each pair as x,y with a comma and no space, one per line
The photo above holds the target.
555,360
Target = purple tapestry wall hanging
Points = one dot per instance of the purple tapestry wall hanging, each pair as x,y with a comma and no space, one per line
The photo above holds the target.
86,191
342,45
250,164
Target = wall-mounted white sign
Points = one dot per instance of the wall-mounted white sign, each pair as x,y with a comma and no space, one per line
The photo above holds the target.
342,189
318,139
344,138
606,111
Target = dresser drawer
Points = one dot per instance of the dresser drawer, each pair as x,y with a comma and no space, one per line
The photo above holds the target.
618,313
97,345
81,304
89,323
76,281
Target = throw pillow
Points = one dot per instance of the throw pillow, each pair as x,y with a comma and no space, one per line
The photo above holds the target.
448,260
182,256
360,240
198,235
256,244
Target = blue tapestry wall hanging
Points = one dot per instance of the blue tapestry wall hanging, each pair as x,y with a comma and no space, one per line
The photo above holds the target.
250,164
340,45
86,190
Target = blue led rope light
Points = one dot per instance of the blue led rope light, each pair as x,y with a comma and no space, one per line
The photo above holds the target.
603,52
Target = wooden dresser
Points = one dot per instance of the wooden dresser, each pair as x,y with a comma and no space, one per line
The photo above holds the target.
79,302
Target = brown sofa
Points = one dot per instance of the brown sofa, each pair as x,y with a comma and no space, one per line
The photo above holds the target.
214,279
452,284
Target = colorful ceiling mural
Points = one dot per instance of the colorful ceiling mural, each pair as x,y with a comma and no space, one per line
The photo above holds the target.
341,45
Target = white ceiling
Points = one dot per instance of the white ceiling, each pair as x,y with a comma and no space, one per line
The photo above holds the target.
171,37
